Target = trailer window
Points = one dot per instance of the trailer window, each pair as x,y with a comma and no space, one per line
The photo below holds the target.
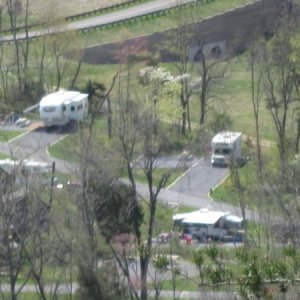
64,108
79,107
72,108
49,108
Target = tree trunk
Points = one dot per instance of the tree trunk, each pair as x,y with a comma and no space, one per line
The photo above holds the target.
13,23
203,93
298,136
255,94
144,272
72,84
183,115
109,117
188,117
25,49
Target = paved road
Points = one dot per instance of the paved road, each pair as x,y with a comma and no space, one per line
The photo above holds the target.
190,190
33,145
200,179
109,18
71,289
193,187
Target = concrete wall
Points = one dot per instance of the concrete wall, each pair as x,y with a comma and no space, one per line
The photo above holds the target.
230,31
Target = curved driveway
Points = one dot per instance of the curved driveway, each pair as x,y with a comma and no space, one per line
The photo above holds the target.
33,145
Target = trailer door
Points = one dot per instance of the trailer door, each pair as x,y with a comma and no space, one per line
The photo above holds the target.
67,109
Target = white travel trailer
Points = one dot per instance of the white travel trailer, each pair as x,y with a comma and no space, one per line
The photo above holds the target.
226,147
59,108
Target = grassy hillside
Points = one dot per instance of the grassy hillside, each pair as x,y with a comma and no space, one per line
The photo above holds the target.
161,23
66,8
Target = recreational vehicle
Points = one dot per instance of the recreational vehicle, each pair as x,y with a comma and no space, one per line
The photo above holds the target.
25,171
59,108
204,223
226,147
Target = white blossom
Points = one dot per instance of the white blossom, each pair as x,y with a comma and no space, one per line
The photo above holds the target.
155,75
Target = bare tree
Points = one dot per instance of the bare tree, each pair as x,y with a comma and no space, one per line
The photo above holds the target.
256,95
279,87
211,69
14,9
12,255
5,70
39,50
181,40
17,227
141,135
25,46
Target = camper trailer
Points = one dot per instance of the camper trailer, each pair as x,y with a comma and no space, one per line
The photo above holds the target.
226,147
59,108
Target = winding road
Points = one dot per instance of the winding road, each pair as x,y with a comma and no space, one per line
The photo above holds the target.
191,189
108,18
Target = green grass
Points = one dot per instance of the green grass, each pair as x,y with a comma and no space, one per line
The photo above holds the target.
232,95
4,156
65,149
32,296
182,284
101,73
226,192
113,9
157,175
39,12
68,149
7,135
161,23
154,24
235,93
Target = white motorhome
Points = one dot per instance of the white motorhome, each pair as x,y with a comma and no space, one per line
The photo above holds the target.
226,147
205,223
59,108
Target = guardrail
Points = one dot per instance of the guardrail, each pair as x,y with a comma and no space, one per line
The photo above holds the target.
162,12
129,20
21,28
73,17
101,10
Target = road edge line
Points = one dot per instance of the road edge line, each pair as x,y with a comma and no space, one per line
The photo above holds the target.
183,174
21,135
53,143
216,186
